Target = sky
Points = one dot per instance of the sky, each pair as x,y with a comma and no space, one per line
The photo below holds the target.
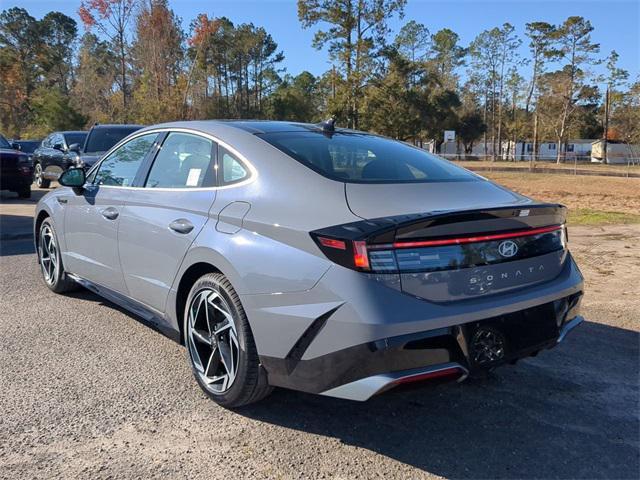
616,22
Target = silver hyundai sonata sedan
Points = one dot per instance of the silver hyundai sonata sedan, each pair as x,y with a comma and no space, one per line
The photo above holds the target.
310,257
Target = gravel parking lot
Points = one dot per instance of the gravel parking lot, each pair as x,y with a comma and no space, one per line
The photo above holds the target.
86,391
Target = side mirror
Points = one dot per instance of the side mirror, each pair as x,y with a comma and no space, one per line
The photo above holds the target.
16,146
74,147
73,177
58,146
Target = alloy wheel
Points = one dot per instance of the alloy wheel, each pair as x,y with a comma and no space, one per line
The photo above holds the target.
38,174
48,252
213,340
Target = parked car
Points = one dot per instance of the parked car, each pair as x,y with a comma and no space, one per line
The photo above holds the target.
62,150
55,155
16,170
26,146
100,139
318,259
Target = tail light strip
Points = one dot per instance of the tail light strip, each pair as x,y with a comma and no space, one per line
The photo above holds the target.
482,238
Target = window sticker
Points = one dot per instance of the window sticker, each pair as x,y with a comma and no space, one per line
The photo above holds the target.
194,176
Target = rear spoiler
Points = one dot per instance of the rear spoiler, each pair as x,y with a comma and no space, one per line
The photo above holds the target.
442,224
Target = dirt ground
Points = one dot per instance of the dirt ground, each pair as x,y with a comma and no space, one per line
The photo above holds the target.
610,194
569,165
609,258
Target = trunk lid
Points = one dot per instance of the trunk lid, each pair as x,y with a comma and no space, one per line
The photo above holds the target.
386,200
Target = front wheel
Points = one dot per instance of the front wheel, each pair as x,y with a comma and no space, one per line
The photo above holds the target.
220,345
37,175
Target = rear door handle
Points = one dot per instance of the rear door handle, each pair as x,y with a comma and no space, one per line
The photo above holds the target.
110,213
181,225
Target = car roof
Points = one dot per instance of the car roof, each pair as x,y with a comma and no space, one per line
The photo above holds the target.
250,126
72,131
116,125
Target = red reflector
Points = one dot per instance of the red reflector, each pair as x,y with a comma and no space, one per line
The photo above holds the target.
360,255
447,372
482,238
332,243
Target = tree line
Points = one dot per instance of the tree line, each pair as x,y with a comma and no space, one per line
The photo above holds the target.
135,63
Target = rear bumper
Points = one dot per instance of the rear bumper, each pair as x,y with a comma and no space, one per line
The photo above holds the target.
350,334
359,372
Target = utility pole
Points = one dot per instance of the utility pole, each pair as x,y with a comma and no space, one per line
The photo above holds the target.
534,156
605,135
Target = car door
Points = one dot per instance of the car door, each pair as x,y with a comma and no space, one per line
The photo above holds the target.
55,162
42,153
161,220
93,215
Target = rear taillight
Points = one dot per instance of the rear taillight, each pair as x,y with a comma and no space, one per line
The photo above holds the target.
348,253
360,255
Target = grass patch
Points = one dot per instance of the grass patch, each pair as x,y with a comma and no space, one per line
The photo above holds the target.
587,216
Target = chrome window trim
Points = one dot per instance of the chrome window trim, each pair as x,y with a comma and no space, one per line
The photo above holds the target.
252,176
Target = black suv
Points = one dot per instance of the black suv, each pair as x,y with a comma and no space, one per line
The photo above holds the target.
16,170
83,152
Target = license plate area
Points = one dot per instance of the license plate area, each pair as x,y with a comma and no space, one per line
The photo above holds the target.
507,337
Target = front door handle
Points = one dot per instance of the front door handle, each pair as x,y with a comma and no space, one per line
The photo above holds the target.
110,213
181,225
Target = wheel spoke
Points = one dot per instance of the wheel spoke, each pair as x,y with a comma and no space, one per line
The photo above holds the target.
226,358
226,324
226,314
201,336
212,365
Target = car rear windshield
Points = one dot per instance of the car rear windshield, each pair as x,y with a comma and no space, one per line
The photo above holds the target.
364,158
72,138
102,139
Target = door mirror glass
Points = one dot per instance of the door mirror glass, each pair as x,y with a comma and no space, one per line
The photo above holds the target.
73,177
74,147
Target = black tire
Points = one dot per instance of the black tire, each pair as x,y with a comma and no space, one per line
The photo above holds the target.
37,176
250,381
25,193
57,281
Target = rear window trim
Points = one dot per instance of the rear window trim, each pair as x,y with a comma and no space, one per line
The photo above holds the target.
473,177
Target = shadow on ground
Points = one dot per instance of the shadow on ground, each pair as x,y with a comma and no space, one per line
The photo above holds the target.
570,413
11,198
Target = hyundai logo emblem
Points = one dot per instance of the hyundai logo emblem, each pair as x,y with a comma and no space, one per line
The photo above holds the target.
507,248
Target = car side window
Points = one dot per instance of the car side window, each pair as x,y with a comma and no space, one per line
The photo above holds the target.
57,139
47,142
120,168
233,170
184,161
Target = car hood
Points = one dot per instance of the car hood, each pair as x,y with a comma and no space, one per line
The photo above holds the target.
10,152
90,159
385,200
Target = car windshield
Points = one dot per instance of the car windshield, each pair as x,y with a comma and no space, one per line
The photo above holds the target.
72,138
364,158
102,139
4,143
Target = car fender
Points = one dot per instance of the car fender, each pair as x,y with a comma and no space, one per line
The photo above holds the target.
49,204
